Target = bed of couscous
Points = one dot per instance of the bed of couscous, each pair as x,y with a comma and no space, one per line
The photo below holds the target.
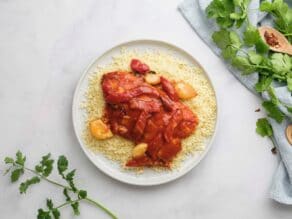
165,64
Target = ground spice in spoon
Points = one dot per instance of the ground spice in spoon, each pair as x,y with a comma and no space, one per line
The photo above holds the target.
271,39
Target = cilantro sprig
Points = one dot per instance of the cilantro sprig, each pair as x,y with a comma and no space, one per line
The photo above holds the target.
282,15
73,195
228,12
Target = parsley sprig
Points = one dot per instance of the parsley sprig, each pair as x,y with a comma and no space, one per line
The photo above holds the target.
73,195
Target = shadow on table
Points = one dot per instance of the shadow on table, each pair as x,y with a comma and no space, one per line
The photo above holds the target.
280,207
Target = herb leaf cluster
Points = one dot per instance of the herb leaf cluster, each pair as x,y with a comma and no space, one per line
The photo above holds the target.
228,12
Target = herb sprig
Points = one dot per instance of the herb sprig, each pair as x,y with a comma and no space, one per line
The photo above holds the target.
282,15
73,195
228,12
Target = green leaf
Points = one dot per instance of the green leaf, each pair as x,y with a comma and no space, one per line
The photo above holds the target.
235,16
261,46
289,109
16,174
70,175
255,58
43,214
82,194
46,165
56,213
50,204
234,39
281,63
229,42
221,10
69,178
229,52
273,111
62,164
65,192
243,64
289,81
264,128
221,38
26,184
263,83
266,6
228,12
251,36
8,160
273,96
75,207
20,158
38,168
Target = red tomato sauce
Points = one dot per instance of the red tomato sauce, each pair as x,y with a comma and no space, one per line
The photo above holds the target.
148,114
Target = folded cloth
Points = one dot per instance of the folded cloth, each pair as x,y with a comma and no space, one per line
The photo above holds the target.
194,12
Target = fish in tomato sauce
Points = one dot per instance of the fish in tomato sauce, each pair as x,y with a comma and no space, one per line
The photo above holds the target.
147,114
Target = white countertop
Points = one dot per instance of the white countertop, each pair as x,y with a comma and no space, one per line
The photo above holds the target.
45,46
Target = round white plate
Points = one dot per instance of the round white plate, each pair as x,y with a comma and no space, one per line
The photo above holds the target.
148,177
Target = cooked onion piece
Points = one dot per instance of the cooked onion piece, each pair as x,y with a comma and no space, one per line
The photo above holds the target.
185,90
139,150
100,130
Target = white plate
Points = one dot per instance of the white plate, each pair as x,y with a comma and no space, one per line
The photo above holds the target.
148,177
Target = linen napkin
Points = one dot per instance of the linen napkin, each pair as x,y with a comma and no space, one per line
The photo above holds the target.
194,12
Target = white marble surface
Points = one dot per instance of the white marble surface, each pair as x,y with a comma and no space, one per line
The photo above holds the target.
45,45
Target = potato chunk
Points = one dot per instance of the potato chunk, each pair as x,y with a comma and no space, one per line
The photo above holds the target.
185,90
100,130
139,150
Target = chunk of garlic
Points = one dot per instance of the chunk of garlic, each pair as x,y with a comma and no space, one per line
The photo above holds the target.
152,79
100,130
139,150
185,90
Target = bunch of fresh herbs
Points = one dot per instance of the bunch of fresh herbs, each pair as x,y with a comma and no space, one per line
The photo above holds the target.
250,54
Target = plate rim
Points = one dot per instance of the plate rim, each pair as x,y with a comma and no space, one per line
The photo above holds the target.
179,173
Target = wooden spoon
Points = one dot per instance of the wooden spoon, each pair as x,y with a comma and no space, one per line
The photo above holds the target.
275,40
289,134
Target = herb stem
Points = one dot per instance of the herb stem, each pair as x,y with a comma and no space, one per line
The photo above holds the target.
97,204
68,203
288,34
45,178
101,207
257,66
279,77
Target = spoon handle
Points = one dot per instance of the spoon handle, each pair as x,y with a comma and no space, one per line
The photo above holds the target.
289,50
